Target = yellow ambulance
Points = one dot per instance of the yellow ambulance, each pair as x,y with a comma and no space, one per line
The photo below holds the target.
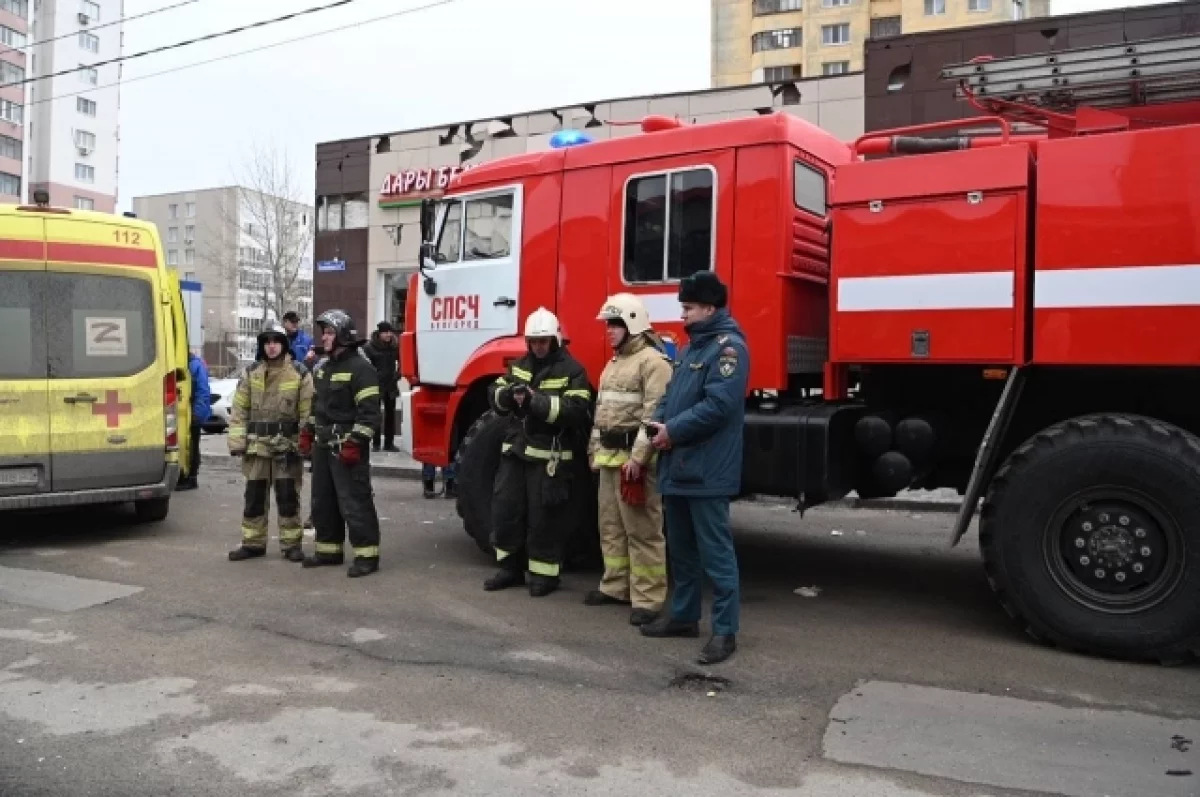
94,381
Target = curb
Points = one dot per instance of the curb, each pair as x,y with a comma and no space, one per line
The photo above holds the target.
413,473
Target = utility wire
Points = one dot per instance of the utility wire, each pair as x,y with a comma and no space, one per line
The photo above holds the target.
151,12
271,46
185,43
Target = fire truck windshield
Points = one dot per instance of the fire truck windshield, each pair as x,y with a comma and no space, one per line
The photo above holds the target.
447,235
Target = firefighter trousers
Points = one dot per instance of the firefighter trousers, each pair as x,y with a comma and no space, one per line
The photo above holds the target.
632,541
342,499
286,473
530,515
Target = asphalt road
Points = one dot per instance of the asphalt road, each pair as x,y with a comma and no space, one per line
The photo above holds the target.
172,671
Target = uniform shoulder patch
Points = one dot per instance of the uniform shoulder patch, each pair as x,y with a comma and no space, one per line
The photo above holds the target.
728,362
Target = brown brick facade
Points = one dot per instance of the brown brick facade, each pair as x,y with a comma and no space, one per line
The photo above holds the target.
343,167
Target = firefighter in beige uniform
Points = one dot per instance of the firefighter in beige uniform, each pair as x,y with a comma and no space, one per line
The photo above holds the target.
631,527
272,399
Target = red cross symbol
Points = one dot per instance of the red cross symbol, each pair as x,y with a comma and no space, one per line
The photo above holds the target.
112,409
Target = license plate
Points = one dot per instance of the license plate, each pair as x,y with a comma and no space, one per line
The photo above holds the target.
19,477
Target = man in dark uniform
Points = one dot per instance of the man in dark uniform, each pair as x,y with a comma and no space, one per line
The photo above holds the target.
384,353
345,418
698,429
548,398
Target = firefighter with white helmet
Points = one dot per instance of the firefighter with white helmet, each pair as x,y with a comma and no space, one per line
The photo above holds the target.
631,525
548,399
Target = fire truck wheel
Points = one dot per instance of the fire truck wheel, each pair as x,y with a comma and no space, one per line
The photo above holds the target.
1090,534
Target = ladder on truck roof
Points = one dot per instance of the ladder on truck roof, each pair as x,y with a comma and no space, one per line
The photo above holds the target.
1106,76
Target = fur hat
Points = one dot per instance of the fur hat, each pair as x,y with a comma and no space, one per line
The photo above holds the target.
703,287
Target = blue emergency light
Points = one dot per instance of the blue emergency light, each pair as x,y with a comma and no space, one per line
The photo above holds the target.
569,138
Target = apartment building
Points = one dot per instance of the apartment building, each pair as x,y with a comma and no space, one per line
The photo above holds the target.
237,243
73,131
14,36
755,41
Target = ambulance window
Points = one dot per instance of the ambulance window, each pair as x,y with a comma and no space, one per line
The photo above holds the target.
489,227
100,326
668,225
810,189
450,243
22,325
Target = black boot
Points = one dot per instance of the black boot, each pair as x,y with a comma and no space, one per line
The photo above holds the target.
668,626
363,566
238,554
718,649
322,560
504,579
428,485
293,554
451,490
642,616
391,447
541,586
598,598
186,484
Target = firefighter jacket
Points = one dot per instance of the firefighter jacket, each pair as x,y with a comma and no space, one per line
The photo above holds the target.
272,400
705,411
557,416
347,399
631,386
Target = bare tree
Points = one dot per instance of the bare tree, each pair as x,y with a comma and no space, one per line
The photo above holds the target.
271,227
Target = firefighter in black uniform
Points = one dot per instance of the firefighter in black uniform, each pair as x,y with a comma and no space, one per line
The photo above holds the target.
344,421
548,398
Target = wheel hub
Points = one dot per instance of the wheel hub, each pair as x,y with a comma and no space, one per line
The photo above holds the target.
1113,554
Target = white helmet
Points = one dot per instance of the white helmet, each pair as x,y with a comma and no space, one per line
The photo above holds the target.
628,308
543,324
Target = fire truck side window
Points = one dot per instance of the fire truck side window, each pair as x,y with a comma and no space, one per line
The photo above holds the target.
451,241
489,227
810,189
668,234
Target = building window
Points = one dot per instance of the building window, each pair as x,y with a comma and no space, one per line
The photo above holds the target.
173,211
979,5
85,173
835,67
85,141
781,39
12,112
885,27
191,210
774,74
776,6
10,73
11,38
172,235
10,184
18,7
189,257
85,203
85,106
935,8
835,34
834,3
88,75
10,147
809,188
172,257
89,42
669,225
90,10
189,234
1018,10
342,212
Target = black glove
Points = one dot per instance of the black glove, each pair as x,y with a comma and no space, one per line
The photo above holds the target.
504,398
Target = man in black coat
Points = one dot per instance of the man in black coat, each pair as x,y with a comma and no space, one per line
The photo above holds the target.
384,353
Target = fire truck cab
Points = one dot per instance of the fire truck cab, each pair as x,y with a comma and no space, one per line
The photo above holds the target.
1011,315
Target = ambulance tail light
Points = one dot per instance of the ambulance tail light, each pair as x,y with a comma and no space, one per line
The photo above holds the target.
170,411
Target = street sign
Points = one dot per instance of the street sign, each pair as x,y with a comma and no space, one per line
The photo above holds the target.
331,265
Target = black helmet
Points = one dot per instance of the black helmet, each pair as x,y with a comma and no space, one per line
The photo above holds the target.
342,325
271,330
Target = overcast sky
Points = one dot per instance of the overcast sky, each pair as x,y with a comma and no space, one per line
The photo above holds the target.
462,60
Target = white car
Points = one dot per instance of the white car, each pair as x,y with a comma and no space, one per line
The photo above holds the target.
221,391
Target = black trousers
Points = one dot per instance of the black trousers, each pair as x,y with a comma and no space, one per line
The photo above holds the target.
194,454
530,511
342,499
388,426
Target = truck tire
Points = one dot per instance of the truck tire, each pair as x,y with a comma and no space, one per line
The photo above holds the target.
152,510
1090,534
476,465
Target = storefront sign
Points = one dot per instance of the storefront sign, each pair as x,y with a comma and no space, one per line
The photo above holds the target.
412,185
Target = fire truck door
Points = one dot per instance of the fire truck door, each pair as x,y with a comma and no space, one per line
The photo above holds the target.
476,277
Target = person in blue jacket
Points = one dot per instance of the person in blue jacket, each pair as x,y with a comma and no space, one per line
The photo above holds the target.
697,429
201,409
300,341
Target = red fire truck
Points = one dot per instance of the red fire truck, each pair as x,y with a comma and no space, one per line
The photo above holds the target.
1013,315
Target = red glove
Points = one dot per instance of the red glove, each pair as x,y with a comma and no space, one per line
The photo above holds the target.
350,455
306,442
633,491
